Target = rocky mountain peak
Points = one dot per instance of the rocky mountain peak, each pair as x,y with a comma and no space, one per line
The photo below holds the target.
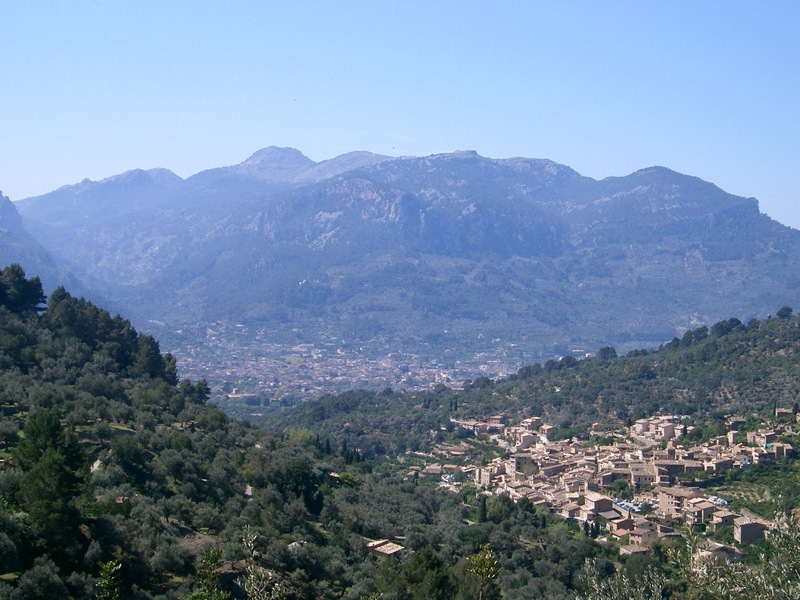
9,217
274,164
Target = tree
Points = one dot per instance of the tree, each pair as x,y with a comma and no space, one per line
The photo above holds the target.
47,491
9,433
19,294
606,353
44,432
9,556
483,565
207,577
499,508
197,393
427,576
649,585
148,360
621,488
170,369
41,582
784,312
257,582
109,585
51,462
482,508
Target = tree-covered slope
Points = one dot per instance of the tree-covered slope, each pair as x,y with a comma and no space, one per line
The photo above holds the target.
96,435
118,481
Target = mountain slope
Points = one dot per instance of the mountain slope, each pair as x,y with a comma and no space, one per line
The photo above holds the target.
454,255
18,246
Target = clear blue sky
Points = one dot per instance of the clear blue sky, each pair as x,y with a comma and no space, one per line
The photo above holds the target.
711,89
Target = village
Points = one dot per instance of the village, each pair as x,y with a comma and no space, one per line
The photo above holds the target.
582,482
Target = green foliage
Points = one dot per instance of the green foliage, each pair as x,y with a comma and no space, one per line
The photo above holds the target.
647,585
208,580
483,514
426,576
621,488
40,582
18,293
43,434
51,461
484,565
81,382
775,575
109,584
80,320
257,582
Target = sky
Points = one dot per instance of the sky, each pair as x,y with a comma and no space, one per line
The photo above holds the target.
706,88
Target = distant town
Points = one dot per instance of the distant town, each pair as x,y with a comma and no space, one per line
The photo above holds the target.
241,363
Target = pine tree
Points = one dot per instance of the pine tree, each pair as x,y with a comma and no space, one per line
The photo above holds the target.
51,462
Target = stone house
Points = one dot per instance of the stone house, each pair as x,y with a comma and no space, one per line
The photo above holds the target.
673,501
699,510
747,530
642,537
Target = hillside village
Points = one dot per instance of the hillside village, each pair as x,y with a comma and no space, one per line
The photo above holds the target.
579,480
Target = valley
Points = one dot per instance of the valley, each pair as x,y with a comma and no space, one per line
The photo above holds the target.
316,351
561,477
245,366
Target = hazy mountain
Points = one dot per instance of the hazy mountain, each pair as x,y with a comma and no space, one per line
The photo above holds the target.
451,252
17,246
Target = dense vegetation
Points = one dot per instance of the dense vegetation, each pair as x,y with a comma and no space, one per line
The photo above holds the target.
119,480
730,367
117,476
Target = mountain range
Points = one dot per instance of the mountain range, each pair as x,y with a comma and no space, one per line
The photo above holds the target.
452,255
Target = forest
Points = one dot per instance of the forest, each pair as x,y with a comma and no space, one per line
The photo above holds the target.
119,480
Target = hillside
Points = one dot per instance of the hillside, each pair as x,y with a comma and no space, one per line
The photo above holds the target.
729,368
481,265
18,246
119,481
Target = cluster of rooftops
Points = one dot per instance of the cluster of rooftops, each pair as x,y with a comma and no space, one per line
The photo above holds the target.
578,480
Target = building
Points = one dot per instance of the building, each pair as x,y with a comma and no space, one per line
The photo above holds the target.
642,537
384,548
747,530
673,501
699,510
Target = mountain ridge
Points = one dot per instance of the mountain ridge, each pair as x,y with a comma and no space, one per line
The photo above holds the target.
452,254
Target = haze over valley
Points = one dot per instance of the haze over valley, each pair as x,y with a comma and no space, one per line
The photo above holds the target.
287,278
